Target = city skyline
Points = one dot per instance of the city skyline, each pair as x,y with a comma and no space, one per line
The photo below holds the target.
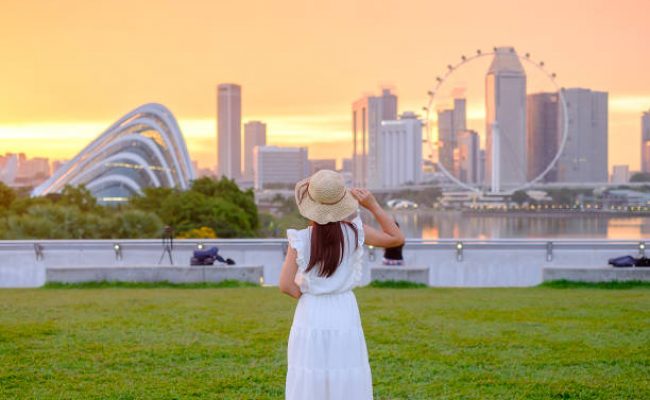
63,85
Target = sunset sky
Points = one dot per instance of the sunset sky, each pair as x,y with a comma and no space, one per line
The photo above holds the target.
68,69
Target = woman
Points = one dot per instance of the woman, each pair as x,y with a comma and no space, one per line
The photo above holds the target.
327,355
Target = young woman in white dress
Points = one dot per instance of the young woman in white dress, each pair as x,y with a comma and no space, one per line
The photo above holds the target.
327,355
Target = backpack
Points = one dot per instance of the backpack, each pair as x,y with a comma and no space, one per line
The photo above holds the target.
624,261
642,262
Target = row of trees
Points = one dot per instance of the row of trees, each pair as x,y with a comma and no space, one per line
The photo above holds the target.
210,208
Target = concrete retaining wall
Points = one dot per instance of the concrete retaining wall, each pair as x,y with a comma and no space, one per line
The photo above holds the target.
597,274
194,274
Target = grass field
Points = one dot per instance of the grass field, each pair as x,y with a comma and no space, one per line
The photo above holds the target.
230,343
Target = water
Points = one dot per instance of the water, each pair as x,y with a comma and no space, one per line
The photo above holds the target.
453,225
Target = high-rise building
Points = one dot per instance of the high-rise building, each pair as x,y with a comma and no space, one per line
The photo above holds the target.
346,165
467,156
584,157
543,134
229,130
620,174
8,168
481,165
56,164
254,135
645,142
400,144
279,167
505,102
319,164
460,114
446,138
450,122
367,114
19,171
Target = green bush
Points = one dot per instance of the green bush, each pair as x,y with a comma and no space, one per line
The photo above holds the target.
75,214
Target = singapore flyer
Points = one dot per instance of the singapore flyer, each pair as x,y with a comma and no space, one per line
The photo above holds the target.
513,158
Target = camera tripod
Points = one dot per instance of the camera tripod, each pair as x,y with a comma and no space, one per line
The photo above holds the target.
167,244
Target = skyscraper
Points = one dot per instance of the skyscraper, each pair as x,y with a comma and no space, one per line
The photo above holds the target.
620,174
446,139
467,156
400,156
543,134
279,167
367,114
450,122
505,102
645,142
320,164
584,158
254,135
229,130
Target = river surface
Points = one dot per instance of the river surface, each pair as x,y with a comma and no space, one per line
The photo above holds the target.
455,225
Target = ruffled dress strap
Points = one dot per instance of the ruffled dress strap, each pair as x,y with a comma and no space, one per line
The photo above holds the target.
361,238
357,257
298,241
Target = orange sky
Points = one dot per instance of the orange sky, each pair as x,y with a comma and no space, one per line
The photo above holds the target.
70,68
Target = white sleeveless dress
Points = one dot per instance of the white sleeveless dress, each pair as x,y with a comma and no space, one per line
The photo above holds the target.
327,354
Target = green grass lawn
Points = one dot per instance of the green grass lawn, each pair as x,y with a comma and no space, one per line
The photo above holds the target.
230,343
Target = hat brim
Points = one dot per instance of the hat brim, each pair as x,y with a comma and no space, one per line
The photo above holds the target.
325,213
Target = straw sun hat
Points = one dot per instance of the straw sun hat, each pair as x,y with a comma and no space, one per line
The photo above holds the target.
323,197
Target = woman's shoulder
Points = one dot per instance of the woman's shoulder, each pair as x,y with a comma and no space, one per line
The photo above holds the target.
296,237
358,225
356,221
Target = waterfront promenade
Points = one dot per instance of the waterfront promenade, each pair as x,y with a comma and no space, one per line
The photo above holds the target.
451,263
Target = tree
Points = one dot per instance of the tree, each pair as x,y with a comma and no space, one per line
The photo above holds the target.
562,196
79,197
228,190
49,222
520,197
189,210
640,177
151,199
23,204
7,196
134,224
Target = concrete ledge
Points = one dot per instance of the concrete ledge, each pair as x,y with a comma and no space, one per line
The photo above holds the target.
400,273
596,274
173,274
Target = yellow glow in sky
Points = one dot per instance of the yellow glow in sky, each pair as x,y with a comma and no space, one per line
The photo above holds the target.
70,68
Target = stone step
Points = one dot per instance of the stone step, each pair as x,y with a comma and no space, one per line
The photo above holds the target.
400,273
158,273
596,274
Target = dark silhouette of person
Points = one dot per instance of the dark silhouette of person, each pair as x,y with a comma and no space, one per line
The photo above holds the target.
393,255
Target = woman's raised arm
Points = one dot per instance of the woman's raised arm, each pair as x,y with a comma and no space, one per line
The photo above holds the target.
390,235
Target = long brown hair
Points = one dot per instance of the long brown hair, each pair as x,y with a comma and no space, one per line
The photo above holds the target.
328,245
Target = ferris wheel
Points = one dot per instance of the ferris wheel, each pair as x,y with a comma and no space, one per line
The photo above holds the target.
435,142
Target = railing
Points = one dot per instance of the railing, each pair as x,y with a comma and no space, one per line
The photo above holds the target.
466,262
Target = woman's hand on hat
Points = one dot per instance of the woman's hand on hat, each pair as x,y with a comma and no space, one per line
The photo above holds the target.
365,198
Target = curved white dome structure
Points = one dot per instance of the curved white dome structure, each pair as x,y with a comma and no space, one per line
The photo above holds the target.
144,148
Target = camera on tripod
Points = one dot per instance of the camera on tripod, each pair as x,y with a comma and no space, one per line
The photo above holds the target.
167,244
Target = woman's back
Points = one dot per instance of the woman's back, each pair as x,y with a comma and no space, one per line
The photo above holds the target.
347,274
